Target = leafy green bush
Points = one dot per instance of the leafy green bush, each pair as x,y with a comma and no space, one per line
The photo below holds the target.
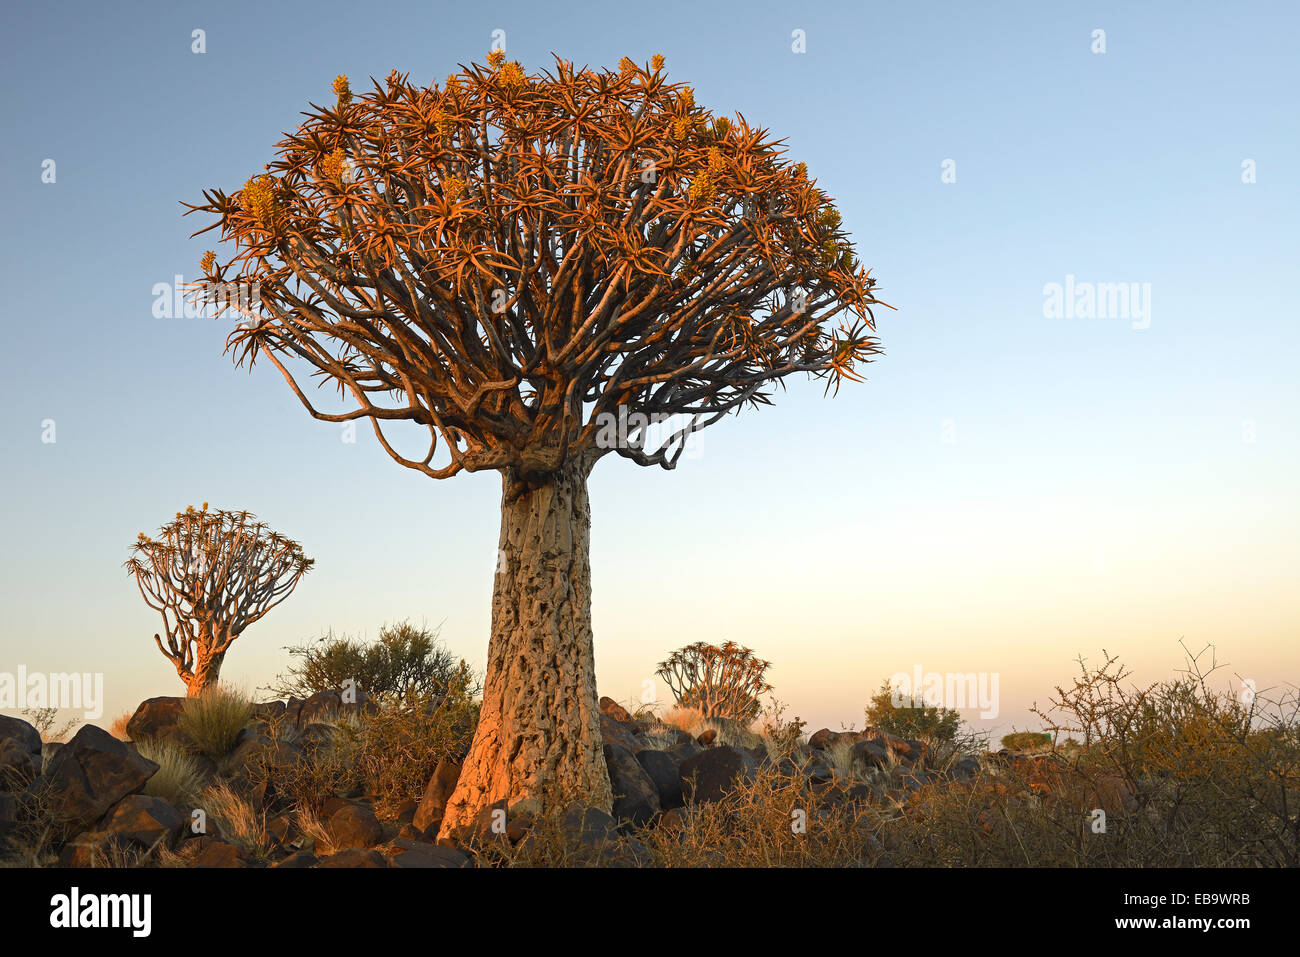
404,661
391,750
913,718
397,747
1026,740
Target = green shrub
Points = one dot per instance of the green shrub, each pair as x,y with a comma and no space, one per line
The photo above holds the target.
1026,740
307,773
403,661
914,718
213,720
396,748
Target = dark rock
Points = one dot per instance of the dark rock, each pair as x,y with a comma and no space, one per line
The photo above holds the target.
622,733
333,804
406,811
518,826
423,854
156,718
212,853
843,792
710,774
316,735
18,766
145,821
268,711
407,832
94,849
281,829
666,775
354,857
901,749
22,732
788,768
355,826
590,826
8,814
326,706
612,709
92,773
636,797
914,750
682,750
436,794
672,820
871,754
298,859
627,852
323,704
823,739
491,823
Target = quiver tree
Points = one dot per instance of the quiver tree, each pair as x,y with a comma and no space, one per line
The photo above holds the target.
530,272
211,574
723,681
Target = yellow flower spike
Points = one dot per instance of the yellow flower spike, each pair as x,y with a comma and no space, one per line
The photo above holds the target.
702,188
681,126
259,199
688,97
496,58
625,65
452,187
208,263
334,165
342,89
721,126
512,74
717,162
657,62
801,171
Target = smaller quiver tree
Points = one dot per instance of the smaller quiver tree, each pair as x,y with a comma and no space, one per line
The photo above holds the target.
211,574
718,681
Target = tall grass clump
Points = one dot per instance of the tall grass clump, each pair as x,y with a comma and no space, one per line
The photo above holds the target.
213,720
179,779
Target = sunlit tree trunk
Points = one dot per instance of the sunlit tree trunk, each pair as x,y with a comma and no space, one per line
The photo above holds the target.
207,670
539,731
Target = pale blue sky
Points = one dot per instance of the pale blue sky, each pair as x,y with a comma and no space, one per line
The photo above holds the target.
1098,490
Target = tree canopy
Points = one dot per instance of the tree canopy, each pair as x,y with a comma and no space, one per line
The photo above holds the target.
507,260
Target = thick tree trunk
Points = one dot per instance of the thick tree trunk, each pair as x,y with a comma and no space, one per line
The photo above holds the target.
206,673
538,737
